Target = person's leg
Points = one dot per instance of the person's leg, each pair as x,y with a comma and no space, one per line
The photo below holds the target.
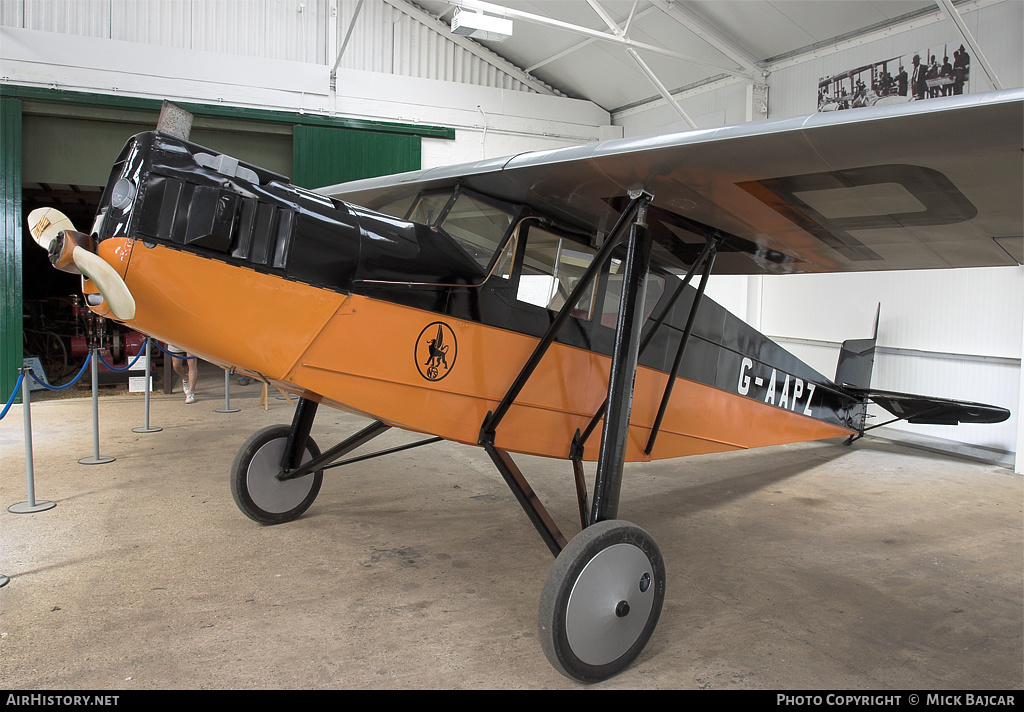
178,364
193,379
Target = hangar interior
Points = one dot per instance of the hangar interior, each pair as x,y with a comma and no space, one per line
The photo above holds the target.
79,77
326,91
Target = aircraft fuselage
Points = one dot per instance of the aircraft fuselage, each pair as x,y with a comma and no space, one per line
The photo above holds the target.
424,322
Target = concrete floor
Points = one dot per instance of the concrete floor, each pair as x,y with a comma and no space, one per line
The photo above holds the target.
813,566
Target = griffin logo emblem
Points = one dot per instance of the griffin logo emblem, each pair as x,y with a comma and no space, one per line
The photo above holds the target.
436,350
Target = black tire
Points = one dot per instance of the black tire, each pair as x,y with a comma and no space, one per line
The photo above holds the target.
601,601
254,484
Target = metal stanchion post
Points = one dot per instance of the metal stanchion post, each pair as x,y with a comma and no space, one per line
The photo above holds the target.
147,428
227,394
96,459
31,505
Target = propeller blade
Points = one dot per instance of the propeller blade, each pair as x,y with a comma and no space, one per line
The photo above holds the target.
115,292
46,223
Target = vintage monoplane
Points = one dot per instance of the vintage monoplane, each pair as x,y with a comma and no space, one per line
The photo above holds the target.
520,304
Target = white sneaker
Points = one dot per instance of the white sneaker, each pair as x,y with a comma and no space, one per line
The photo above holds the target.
190,398
184,387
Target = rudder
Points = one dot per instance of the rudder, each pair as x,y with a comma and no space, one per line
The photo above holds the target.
857,359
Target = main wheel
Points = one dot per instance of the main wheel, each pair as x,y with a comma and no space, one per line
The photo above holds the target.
601,601
254,484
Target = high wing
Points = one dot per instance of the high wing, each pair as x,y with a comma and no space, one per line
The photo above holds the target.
926,184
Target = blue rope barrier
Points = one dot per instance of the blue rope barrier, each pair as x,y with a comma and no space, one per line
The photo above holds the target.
172,354
121,370
44,384
48,387
14,393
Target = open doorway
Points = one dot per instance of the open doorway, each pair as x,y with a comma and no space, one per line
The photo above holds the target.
58,330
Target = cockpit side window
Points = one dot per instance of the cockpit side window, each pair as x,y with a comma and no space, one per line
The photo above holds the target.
479,227
552,266
428,208
610,308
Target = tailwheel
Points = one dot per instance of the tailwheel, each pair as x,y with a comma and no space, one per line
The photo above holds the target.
254,483
601,601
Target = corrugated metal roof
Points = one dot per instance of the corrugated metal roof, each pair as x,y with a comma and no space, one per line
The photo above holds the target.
699,40
612,52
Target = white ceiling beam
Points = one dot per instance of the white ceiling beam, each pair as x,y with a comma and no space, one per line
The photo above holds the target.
651,76
607,19
565,52
687,19
512,14
629,20
585,43
954,15
662,89
470,46
679,94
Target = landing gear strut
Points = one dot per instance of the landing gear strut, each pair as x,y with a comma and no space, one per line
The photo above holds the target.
604,594
278,471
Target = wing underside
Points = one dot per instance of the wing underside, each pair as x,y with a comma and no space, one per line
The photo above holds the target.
933,184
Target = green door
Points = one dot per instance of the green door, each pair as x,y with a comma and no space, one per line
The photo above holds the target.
10,245
326,156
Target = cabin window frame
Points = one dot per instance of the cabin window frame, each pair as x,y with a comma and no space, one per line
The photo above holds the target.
611,289
523,237
503,246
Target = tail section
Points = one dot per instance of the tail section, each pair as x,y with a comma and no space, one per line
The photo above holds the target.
853,374
928,410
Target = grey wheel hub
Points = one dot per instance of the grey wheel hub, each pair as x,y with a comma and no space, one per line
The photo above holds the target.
269,493
610,604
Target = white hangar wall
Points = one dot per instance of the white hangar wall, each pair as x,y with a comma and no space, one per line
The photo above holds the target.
280,54
946,333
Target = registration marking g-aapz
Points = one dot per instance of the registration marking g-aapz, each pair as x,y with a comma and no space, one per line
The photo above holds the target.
777,388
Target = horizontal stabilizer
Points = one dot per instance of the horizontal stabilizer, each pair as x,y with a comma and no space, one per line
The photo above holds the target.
927,410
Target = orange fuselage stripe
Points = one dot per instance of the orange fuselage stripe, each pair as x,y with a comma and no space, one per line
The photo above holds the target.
368,356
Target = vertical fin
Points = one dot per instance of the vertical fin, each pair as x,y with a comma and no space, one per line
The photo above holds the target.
857,358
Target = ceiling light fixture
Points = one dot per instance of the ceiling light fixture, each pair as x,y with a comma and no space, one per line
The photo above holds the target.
478,26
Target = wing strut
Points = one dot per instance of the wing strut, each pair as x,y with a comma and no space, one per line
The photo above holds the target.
713,239
625,355
620,385
492,420
709,261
